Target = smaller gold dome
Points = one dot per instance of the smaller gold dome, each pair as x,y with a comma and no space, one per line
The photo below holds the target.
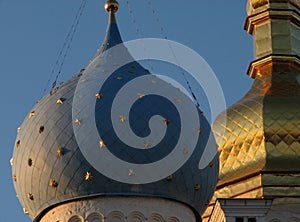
111,6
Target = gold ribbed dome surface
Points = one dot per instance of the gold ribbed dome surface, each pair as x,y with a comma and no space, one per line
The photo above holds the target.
262,133
260,149
259,146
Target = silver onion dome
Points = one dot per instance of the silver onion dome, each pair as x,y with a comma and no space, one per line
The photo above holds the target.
51,155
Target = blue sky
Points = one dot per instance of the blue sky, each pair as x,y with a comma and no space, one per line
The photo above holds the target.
32,33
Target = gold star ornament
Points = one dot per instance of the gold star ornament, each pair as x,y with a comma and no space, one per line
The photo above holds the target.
30,196
31,114
60,151
102,144
123,119
99,96
77,121
88,176
130,173
60,101
53,183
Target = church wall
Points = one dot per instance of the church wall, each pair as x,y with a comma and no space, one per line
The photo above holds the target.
120,209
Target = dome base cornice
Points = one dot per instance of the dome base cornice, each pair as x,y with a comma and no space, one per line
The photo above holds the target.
121,208
257,67
291,14
255,6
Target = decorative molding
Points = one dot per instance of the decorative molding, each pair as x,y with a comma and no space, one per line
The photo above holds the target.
121,209
136,216
115,215
254,5
95,217
75,219
256,66
173,219
156,218
225,209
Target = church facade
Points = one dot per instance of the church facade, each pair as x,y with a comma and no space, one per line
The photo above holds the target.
255,176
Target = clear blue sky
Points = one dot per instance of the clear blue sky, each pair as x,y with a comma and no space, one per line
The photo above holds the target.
32,33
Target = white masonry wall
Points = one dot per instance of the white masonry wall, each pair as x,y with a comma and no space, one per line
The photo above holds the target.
121,209
263,210
284,213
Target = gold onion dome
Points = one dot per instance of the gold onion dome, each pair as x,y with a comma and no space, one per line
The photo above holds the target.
111,6
260,144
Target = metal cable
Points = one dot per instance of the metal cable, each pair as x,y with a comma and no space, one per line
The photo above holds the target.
66,47
163,32
139,35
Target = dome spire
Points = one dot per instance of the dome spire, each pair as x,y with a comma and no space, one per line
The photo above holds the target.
113,36
111,6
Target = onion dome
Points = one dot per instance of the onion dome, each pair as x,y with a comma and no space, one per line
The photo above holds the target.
260,149
91,137
262,132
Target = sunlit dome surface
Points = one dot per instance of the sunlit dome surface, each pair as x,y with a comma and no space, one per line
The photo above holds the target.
49,166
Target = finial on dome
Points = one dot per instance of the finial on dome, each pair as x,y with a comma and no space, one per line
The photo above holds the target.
111,6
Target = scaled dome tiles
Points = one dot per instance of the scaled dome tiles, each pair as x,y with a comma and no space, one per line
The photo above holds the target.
49,167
